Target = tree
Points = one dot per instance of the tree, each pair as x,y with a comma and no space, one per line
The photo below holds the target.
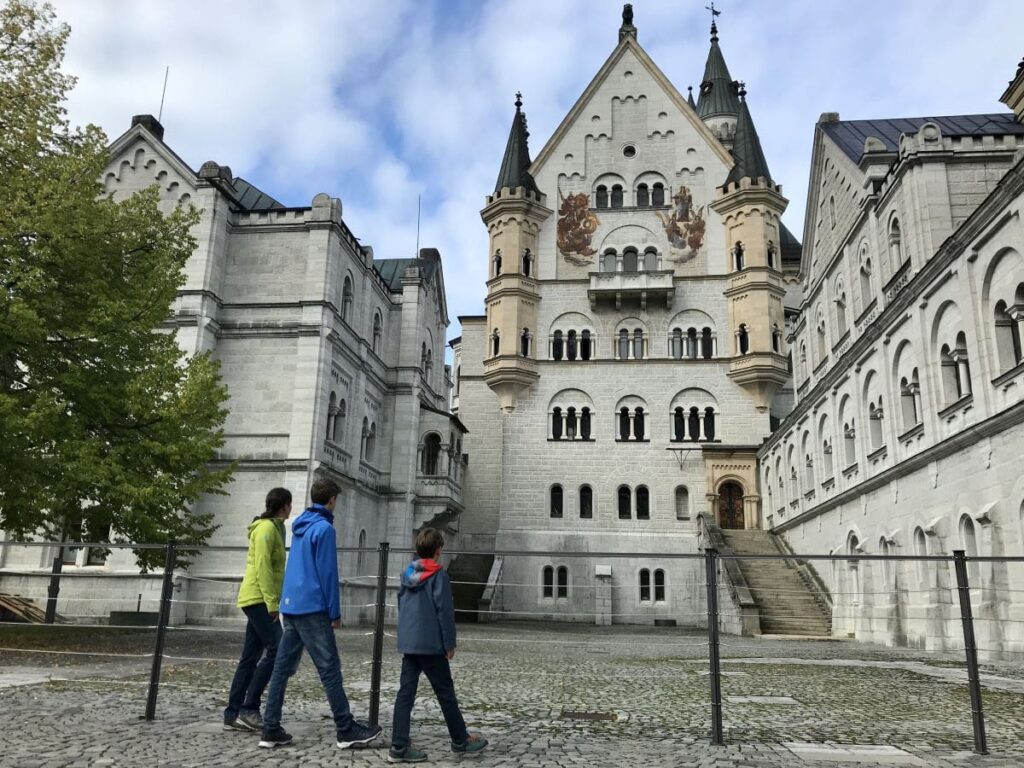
102,419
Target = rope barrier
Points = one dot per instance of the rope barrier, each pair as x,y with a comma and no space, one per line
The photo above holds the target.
79,653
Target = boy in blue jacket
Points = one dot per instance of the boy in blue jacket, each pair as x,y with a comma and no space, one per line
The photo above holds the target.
311,611
426,638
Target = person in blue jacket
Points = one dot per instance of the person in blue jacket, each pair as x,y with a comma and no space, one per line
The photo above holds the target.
426,640
310,611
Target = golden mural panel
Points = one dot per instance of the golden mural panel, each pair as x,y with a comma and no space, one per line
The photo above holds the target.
576,226
684,226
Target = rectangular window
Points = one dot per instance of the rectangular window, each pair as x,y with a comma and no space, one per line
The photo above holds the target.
563,582
645,586
659,586
72,533
549,582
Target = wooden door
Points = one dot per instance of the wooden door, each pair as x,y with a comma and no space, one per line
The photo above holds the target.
730,506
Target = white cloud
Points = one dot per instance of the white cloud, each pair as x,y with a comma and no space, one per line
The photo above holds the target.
379,102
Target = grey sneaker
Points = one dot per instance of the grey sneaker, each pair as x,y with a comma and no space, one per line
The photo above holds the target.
475,743
407,755
236,725
358,735
251,719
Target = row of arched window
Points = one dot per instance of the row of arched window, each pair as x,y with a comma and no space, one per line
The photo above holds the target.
555,584
644,195
687,424
630,260
646,594
632,344
526,264
377,332
525,343
739,250
337,411
627,500
439,459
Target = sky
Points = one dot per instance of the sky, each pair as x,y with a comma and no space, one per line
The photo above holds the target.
381,102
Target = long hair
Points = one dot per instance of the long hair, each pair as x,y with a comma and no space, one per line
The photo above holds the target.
277,499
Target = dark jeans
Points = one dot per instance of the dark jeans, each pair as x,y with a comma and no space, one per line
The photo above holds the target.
439,673
253,673
313,632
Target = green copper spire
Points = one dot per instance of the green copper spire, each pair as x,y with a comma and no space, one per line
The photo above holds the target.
718,89
746,148
516,163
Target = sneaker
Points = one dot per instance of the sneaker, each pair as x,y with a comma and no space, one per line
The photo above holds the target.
475,743
275,738
236,724
358,735
407,755
251,719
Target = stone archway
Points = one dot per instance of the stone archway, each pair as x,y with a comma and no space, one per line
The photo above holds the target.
730,506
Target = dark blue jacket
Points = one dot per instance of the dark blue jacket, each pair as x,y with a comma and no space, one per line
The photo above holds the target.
311,575
426,613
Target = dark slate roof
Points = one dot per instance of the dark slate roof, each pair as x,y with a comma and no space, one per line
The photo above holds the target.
718,92
849,135
746,150
689,97
516,163
790,246
391,270
252,199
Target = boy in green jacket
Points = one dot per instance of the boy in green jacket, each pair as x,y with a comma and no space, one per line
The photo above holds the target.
259,598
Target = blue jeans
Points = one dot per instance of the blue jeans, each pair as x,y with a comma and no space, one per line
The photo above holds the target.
313,632
253,673
439,673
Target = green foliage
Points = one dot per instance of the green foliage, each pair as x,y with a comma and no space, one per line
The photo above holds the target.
102,419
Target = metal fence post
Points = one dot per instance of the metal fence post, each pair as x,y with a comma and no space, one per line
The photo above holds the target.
715,675
170,560
971,649
54,589
378,632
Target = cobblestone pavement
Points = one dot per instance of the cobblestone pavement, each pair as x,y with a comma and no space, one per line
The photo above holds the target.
786,703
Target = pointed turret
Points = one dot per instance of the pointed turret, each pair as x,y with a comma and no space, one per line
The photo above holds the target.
746,147
718,104
689,97
513,215
515,166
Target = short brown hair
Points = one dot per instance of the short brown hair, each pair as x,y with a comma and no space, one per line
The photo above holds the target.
323,491
428,541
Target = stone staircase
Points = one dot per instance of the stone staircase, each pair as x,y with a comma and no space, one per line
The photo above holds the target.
788,602
466,596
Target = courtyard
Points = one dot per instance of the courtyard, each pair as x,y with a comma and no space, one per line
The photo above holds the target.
544,695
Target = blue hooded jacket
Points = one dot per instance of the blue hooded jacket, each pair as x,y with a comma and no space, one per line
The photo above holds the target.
426,613
311,575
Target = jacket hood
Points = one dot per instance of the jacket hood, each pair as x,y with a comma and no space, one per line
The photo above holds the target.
277,522
311,517
418,572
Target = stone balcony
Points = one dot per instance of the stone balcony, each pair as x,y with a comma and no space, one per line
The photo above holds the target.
634,286
438,487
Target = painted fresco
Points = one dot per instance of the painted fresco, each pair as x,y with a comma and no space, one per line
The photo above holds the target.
576,226
684,226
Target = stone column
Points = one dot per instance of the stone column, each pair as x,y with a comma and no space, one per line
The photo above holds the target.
618,262
702,436
632,426
963,376
551,425
565,421
603,596
714,346
915,391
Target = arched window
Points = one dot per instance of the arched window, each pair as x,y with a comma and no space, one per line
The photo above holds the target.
645,585
497,262
707,344
693,424
524,342
676,346
948,373
643,503
556,501
875,423
638,344
771,255
571,346
658,194
371,442
346,299
548,581
678,425
649,262
737,256
691,342
377,333
363,437
585,345
865,284
623,344
431,454
1008,341
601,197
643,198
611,261
617,196
826,452
570,423
563,581
659,586
338,433
822,341
743,339
895,244
970,543
809,463
624,423
586,502
332,410
630,260
430,363
527,263
841,313
625,502
849,443
556,424
776,339
909,389
682,503
556,345
585,424
709,423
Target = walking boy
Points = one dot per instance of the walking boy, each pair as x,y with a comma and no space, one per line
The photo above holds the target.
426,638
311,611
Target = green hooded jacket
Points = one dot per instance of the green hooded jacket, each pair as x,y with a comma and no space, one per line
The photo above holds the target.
264,565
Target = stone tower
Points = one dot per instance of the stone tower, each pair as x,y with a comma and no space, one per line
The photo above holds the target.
513,216
751,205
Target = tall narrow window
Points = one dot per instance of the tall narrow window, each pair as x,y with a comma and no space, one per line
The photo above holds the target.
431,454
625,502
822,344
377,331
571,347
909,389
371,442
624,433
676,349
601,197
585,345
841,314
524,342
691,342
332,411
570,424
527,263
826,452
556,501
895,245
709,423
548,582
586,502
776,339
678,425
643,198
970,542
737,256
849,441
556,345
771,255
556,424
832,212
682,503
658,194
346,299
338,433
563,581
659,586
963,364
865,284
743,339
1008,341
645,585
495,343
707,344
693,424
629,260
638,344
497,263
617,196
623,344
585,424
643,503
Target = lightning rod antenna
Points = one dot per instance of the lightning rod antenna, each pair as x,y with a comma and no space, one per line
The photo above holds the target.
160,114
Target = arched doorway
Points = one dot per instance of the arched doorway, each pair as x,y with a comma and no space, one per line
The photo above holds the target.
730,505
